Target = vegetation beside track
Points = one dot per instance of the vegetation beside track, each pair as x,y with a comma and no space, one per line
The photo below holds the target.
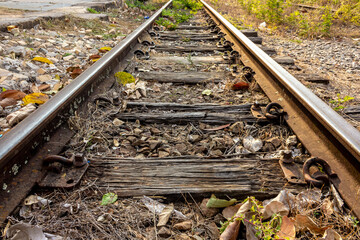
181,11
315,19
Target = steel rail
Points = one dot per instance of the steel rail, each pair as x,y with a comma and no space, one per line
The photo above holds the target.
12,142
23,139
323,132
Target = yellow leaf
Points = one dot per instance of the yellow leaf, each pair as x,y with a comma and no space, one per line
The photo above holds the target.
124,78
42,59
104,49
11,27
38,98
95,60
113,25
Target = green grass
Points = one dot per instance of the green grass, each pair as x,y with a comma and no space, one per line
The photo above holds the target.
182,11
91,10
141,5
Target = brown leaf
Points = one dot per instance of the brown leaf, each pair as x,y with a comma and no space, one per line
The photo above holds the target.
213,231
44,87
34,88
231,232
15,117
71,69
275,207
13,94
287,230
229,212
95,56
76,72
304,222
207,212
331,234
186,225
7,102
165,215
57,87
327,207
240,86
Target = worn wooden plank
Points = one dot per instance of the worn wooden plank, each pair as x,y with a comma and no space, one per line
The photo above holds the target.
184,77
189,48
249,33
353,112
256,40
312,77
194,59
244,108
204,37
180,34
188,174
193,27
183,34
284,60
187,117
267,50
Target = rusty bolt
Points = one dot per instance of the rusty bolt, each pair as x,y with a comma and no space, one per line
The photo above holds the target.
79,160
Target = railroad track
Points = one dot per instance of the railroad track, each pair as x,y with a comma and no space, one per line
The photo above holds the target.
181,128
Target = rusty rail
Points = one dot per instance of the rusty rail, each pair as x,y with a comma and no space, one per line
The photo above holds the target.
18,147
323,132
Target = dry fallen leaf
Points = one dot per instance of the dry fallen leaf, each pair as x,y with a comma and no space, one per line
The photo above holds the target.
232,231
76,72
11,27
240,86
94,56
7,102
165,215
104,49
327,207
42,59
25,231
275,207
287,230
44,87
331,234
230,211
38,98
34,88
13,94
304,222
185,225
15,117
